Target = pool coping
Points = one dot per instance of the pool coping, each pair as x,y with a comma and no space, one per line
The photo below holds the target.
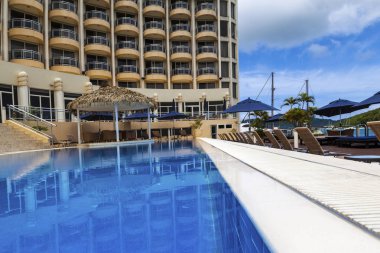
226,147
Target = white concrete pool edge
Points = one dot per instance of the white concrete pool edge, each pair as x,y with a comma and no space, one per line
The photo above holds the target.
287,220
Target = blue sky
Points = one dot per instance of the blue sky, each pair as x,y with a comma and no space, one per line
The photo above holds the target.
335,44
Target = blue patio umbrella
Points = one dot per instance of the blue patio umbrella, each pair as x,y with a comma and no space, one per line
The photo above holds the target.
97,116
173,116
140,116
275,118
250,105
375,99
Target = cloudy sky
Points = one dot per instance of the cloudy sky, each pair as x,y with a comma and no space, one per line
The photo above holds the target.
333,43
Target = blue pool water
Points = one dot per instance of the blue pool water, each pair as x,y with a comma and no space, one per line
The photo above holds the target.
160,197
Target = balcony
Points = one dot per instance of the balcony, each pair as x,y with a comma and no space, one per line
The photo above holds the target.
127,49
180,54
154,30
34,7
180,10
154,52
155,75
97,45
26,57
97,20
65,64
207,75
206,33
64,39
206,11
207,54
99,3
98,70
129,6
127,26
154,8
180,32
63,12
127,73
182,75
25,30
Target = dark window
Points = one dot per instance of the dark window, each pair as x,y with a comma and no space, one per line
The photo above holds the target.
233,50
233,30
234,90
102,83
234,70
225,69
224,28
181,86
224,46
221,126
233,10
228,126
202,86
223,9
128,85
155,86
225,85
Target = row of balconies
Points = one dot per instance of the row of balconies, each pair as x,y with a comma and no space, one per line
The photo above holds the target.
67,12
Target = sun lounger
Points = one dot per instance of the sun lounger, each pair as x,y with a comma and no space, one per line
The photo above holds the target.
249,138
259,141
283,140
272,139
312,143
375,127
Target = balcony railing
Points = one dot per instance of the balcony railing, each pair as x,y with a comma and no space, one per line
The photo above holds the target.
154,2
154,25
126,20
180,49
64,33
97,40
206,49
181,71
25,23
127,69
206,28
97,14
63,5
206,71
126,44
25,54
155,70
180,27
180,5
64,61
154,47
205,6
98,65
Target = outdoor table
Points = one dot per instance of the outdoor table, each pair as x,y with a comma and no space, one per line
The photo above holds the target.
364,158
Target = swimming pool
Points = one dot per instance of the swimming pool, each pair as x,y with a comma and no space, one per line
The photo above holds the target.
161,197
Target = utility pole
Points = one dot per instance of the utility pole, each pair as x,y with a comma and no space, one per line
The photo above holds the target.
272,92
307,93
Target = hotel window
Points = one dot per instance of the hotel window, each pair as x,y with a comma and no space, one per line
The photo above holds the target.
101,83
223,8
225,85
224,28
225,69
233,30
233,10
234,70
16,14
224,49
155,86
128,84
234,90
40,101
165,107
202,86
233,50
181,86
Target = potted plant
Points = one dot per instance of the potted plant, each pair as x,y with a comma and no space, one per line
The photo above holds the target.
196,128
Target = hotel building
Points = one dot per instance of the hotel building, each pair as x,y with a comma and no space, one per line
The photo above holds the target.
185,51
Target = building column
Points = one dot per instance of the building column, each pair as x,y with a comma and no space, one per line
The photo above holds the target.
81,36
167,28
193,44
155,111
113,62
179,100
46,33
141,44
5,30
59,100
23,89
219,43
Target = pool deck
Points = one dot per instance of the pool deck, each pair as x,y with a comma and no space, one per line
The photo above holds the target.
308,203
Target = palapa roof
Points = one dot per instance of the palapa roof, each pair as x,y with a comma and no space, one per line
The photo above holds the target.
105,98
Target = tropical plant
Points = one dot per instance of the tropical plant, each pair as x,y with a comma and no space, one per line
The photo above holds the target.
299,117
197,124
259,121
290,101
305,98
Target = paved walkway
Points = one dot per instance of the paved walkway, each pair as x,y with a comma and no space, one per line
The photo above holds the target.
348,189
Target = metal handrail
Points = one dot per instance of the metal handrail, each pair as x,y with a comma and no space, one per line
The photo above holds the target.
126,20
63,5
97,40
180,49
154,25
25,23
64,61
64,33
205,6
206,49
179,4
206,28
26,54
181,71
206,70
126,44
180,27
127,69
154,47
154,2
98,65
12,107
155,70
97,14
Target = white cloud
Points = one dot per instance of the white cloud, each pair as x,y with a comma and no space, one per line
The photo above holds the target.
355,84
317,50
284,24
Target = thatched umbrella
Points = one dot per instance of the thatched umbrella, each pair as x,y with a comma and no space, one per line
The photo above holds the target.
108,99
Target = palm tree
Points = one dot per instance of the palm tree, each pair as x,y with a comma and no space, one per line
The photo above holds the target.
304,98
291,101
